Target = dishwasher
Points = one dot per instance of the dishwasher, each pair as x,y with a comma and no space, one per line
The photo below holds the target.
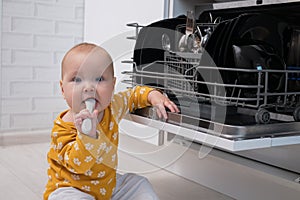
234,73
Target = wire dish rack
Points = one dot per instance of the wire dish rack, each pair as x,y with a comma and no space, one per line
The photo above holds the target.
182,76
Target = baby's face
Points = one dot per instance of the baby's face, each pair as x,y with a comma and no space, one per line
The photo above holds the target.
87,75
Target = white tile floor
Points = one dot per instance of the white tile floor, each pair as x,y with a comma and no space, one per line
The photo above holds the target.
23,171
23,176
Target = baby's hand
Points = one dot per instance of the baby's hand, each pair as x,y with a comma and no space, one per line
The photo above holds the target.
85,114
160,101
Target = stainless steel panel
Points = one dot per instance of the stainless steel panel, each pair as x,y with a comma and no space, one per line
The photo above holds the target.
285,157
227,131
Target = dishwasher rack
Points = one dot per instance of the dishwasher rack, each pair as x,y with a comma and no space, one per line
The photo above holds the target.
183,76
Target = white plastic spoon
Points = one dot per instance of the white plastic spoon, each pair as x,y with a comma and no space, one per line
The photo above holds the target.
87,123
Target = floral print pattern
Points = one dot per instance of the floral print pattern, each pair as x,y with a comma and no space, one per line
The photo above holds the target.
86,163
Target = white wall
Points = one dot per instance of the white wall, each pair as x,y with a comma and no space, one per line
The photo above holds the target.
35,36
106,19
105,25
0,63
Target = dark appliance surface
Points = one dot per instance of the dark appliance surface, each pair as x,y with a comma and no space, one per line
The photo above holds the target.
267,36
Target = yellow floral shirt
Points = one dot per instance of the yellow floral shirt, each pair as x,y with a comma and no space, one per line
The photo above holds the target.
88,164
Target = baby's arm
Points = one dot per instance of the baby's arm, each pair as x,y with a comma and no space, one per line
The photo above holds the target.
160,101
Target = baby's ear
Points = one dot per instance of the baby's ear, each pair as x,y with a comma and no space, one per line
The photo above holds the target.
114,81
61,88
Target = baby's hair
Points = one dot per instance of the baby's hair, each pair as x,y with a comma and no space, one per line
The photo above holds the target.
88,47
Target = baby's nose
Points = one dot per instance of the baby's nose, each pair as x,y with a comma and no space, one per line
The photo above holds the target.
89,88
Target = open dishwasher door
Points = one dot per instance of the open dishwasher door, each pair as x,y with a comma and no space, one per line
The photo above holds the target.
235,75
235,78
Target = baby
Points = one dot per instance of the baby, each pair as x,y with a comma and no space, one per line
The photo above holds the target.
83,165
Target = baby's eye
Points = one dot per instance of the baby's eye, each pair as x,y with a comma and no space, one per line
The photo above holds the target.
76,79
99,79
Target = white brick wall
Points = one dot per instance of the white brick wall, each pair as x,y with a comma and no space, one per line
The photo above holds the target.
35,35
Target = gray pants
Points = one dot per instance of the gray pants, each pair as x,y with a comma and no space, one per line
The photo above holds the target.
128,187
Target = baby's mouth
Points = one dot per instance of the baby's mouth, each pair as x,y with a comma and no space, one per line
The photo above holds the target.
87,99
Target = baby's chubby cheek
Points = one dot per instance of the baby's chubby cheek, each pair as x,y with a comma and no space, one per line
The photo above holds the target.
77,106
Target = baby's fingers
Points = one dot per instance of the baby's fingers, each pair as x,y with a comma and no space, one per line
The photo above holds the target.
78,121
171,105
94,117
161,111
84,114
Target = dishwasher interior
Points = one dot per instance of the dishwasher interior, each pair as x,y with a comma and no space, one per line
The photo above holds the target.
233,72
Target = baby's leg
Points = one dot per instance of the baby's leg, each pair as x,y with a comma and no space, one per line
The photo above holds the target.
133,187
69,193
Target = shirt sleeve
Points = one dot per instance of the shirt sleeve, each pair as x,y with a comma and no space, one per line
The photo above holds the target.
130,100
68,150
102,149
